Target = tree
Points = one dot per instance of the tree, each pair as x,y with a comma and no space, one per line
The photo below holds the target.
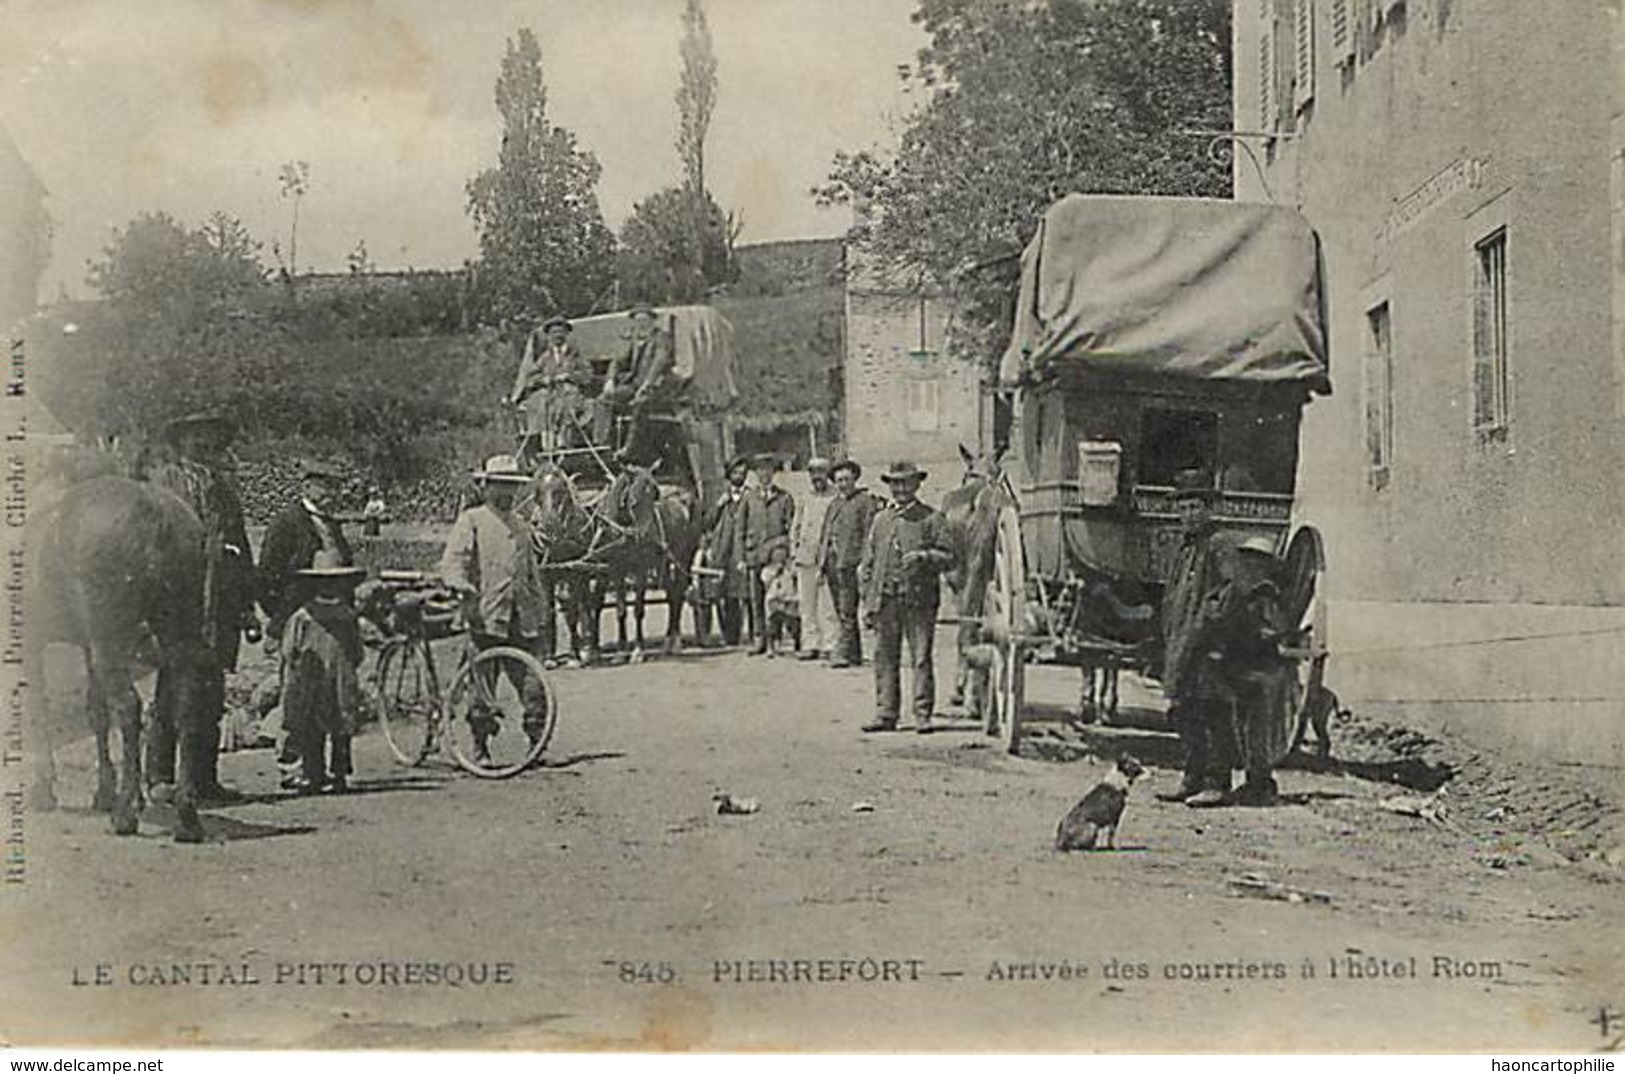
696,94
179,327
1025,102
544,246
678,243
294,179
665,258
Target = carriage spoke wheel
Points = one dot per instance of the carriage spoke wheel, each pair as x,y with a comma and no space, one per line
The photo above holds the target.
500,713
1006,619
1304,606
408,700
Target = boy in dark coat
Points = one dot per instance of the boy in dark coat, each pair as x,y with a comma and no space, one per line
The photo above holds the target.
321,686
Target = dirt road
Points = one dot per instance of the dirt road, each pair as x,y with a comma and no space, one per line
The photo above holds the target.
601,903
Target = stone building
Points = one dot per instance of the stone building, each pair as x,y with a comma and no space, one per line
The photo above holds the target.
1464,164
905,396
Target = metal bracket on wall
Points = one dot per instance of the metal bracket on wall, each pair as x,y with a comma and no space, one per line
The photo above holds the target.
1221,148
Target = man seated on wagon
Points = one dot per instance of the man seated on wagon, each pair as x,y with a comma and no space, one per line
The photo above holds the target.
551,387
638,391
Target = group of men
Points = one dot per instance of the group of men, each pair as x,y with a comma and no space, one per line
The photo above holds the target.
859,562
565,407
304,550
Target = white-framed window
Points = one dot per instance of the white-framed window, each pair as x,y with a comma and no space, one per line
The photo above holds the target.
1492,369
924,404
1378,381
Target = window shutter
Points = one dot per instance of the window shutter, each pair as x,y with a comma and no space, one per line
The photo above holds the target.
1342,32
1268,117
1303,36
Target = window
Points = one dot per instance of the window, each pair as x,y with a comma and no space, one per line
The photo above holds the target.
1379,394
1342,27
924,405
1303,34
1492,380
1175,440
1268,103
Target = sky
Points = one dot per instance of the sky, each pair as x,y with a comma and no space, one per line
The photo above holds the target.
192,106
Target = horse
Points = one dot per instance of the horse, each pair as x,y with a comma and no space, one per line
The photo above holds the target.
567,533
117,571
661,533
972,514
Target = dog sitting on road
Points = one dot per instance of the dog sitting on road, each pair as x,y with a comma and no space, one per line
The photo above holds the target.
1100,810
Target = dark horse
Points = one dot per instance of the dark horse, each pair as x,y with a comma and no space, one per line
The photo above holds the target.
972,513
635,534
117,571
661,533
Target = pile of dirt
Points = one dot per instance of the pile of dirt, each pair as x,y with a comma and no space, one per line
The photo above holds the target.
1502,803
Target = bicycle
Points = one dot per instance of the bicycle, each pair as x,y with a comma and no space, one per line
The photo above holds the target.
491,732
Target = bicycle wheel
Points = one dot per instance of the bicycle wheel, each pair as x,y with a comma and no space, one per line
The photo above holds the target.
409,700
500,713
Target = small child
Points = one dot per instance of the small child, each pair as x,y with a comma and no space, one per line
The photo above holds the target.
322,698
783,604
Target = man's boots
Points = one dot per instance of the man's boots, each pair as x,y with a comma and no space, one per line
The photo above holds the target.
1215,790
209,787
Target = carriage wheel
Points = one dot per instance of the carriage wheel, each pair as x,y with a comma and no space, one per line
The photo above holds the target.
1304,606
500,713
408,700
1006,619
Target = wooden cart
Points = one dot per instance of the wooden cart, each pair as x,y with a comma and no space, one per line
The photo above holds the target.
1152,337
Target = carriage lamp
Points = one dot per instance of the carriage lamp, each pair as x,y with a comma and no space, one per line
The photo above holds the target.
1100,462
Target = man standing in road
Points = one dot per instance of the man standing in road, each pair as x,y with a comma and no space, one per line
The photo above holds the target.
851,511
732,588
1196,696
293,538
818,625
1246,627
764,516
196,468
908,547
490,563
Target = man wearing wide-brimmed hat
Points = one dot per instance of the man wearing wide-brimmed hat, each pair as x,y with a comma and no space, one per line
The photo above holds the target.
847,524
717,553
321,688
490,562
764,516
637,384
819,630
1243,633
1188,678
907,549
194,464
552,386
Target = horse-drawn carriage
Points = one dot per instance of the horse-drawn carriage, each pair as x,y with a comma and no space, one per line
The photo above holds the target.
615,508
1153,338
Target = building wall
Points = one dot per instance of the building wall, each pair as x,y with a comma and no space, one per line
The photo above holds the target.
1478,585
905,398
1453,118
24,234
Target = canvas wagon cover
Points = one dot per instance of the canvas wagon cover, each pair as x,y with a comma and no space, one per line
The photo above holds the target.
703,348
1185,287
